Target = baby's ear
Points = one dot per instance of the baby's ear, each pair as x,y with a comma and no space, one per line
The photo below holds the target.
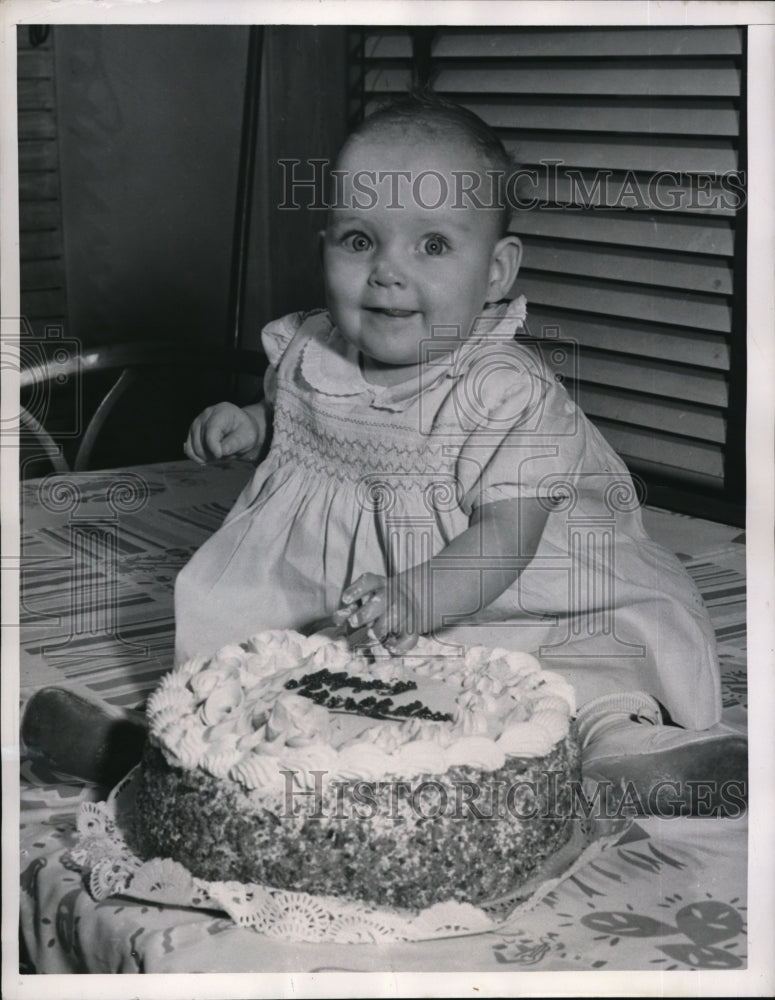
504,267
321,242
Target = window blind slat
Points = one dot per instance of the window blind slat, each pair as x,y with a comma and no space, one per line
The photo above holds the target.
37,124
652,377
594,42
641,192
34,94
639,77
388,44
42,275
40,245
684,479
657,117
389,80
37,216
38,185
657,306
663,414
710,275
660,232
37,155
627,336
665,449
687,155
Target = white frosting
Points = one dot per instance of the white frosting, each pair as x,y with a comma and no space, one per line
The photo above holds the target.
233,716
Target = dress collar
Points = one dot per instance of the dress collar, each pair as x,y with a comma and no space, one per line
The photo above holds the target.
331,365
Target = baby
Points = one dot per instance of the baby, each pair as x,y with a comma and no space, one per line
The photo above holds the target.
428,474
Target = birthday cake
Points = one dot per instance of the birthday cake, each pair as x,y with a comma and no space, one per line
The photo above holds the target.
299,763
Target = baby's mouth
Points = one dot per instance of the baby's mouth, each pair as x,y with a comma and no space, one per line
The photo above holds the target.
395,313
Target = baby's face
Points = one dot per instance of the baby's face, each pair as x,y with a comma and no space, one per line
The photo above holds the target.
399,267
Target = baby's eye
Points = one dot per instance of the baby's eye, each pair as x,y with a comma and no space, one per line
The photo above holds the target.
434,246
357,242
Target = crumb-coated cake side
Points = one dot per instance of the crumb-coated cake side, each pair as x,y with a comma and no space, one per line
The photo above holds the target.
400,784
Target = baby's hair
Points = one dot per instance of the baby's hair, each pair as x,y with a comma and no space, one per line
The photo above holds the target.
430,111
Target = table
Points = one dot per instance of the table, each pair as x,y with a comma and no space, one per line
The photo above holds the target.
100,552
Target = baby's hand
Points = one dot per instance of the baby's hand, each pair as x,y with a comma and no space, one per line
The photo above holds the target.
387,605
221,431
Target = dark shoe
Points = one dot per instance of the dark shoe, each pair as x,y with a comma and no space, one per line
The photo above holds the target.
77,736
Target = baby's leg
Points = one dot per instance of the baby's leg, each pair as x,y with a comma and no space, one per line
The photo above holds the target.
648,716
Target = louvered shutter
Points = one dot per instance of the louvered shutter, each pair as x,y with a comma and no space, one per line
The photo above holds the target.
635,247
43,297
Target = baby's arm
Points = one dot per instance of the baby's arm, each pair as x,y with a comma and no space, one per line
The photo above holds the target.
226,430
465,576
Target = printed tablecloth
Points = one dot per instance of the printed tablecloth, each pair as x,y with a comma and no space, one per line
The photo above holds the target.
670,895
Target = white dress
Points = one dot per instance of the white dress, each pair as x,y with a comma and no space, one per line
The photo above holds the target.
361,478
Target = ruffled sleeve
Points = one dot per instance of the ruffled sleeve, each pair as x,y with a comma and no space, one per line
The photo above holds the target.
275,338
276,335
522,431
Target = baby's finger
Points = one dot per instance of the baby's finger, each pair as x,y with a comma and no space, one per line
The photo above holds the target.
240,439
398,644
189,452
199,428
378,630
213,438
369,611
367,583
341,615
193,446
398,635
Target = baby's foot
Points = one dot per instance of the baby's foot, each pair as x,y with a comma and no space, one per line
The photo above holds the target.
667,770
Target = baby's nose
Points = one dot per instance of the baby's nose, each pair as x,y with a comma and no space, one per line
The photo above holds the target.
387,271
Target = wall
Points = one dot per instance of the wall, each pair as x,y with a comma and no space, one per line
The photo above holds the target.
303,116
149,126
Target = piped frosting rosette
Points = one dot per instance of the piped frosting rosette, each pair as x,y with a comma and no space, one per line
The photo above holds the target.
235,715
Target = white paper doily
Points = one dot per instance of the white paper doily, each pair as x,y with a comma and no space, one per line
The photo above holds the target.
111,869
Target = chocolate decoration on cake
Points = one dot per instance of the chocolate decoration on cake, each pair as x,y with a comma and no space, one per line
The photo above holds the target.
315,686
